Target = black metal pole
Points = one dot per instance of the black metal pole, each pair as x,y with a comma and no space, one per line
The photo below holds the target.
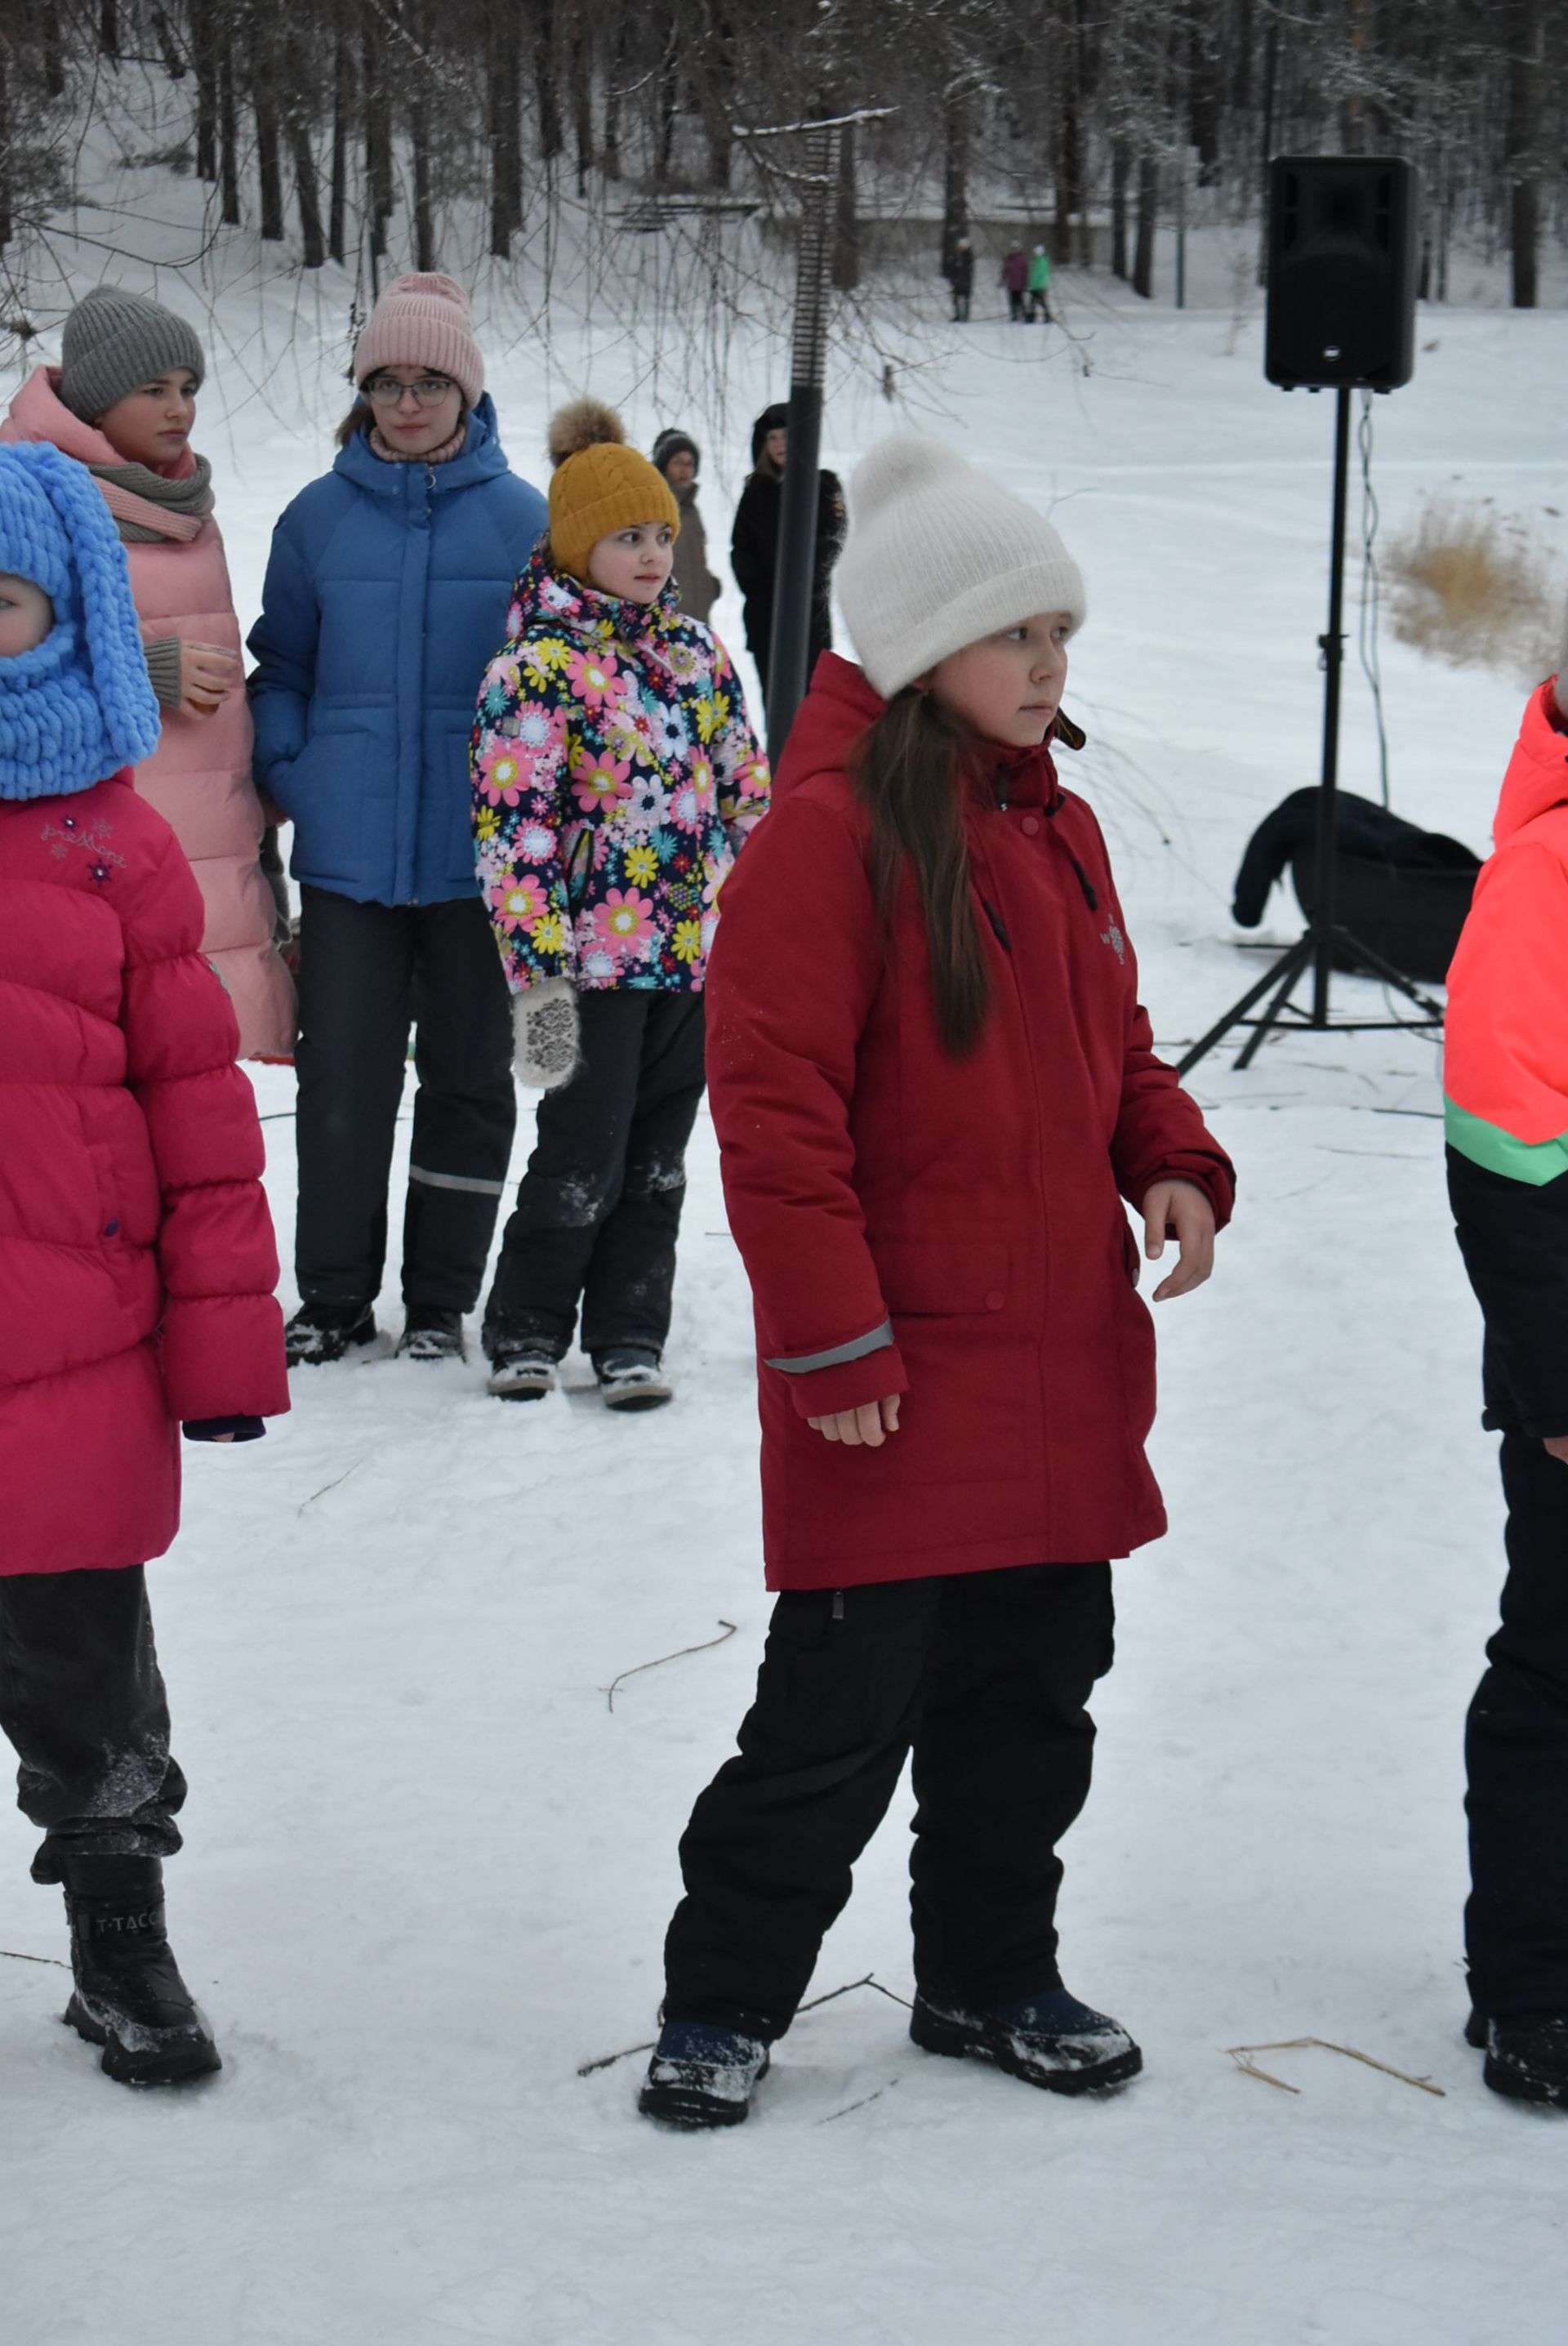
789,647
1333,647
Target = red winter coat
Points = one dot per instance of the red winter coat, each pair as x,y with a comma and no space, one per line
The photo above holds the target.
972,1204
137,1259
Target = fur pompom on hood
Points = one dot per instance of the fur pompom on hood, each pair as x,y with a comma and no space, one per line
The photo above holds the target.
582,423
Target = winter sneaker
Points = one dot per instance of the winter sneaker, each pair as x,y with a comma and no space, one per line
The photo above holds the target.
130,1997
702,2076
1050,2040
523,1375
630,1378
320,1333
431,1334
1527,2058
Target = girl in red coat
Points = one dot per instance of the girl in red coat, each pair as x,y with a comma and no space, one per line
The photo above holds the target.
933,1086
137,1263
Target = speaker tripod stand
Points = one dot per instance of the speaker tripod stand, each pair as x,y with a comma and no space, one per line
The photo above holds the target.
1325,937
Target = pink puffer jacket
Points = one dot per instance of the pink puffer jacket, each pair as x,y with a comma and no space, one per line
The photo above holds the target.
137,1257
198,778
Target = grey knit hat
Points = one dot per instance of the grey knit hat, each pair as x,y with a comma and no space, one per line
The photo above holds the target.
937,557
115,342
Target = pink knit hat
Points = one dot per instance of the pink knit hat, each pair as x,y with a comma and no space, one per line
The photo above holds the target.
423,321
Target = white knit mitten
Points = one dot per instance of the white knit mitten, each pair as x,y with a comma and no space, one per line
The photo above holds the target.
544,1035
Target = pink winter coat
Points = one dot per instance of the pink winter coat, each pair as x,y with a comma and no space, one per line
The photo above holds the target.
198,778
136,1258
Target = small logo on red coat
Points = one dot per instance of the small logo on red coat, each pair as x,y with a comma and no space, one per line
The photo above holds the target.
1113,938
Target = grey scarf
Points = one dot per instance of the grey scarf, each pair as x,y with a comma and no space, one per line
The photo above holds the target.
140,499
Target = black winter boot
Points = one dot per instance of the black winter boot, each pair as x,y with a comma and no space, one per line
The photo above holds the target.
431,1333
320,1333
129,1996
1527,2058
1050,2040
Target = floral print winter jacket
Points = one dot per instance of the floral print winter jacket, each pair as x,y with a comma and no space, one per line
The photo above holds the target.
614,778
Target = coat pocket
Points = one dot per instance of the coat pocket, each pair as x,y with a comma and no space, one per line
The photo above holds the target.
960,1322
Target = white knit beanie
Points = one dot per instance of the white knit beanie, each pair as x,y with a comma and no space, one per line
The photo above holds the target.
937,557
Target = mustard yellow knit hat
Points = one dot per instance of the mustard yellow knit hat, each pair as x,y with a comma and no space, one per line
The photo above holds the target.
599,484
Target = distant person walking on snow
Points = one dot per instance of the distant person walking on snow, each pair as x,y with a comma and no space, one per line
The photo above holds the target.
678,457
1039,284
923,946
754,544
1014,276
614,779
122,404
384,596
1506,1084
960,277
137,1264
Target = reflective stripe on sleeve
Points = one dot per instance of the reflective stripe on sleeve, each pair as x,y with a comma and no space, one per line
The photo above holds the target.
838,1355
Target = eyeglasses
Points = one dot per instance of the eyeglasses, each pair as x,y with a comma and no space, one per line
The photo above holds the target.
381,390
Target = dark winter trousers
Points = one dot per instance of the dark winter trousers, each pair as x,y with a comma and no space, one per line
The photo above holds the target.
365,972
1038,306
1516,1756
82,1700
598,1209
984,1677
1015,305
960,305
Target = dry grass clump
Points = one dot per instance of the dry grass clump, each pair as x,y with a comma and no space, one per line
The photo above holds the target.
1471,587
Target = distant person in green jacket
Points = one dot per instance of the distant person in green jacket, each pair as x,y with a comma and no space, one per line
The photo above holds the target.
1039,284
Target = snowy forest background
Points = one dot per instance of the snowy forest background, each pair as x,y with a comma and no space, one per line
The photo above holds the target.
414,131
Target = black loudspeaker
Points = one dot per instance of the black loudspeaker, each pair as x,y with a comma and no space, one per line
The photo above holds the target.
1341,272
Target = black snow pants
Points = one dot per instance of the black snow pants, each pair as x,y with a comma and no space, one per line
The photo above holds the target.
366,971
598,1209
82,1701
984,1676
1516,1756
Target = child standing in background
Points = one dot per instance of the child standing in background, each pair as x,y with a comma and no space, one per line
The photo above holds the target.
137,1261
615,779
933,1084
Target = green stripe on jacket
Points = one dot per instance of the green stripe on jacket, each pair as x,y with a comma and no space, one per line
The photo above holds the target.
1535,1162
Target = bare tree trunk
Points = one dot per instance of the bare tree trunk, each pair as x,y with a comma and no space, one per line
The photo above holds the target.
504,131
7,214
582,76
955,219
514,116
610,151
109,30
337,198
169,47
228,136
307,188
378,202
1526,72
269,152
206,62
1119,209
53,56
1148,208
720,80
424,210
669,94
552,135
846,264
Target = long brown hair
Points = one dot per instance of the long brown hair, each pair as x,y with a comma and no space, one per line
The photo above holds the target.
359,418
909,771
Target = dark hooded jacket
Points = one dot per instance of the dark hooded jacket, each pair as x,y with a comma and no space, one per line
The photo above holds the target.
754,547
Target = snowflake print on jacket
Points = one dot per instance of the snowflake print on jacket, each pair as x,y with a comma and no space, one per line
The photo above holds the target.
614,778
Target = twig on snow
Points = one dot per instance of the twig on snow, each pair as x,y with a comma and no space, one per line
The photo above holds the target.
726,1627
608,2060
11,1955
333,1484
864,2103
1242,2056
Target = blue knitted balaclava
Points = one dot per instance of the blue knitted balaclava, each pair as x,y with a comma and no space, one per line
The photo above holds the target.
79,705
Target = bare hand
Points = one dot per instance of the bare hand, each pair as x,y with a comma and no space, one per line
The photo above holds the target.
1179,1209
867,1427
208,674
223,1437
1557,1443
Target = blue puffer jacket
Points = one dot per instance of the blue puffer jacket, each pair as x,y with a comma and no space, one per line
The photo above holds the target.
386,596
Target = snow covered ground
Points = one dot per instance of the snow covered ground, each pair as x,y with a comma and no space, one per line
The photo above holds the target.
428,1867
